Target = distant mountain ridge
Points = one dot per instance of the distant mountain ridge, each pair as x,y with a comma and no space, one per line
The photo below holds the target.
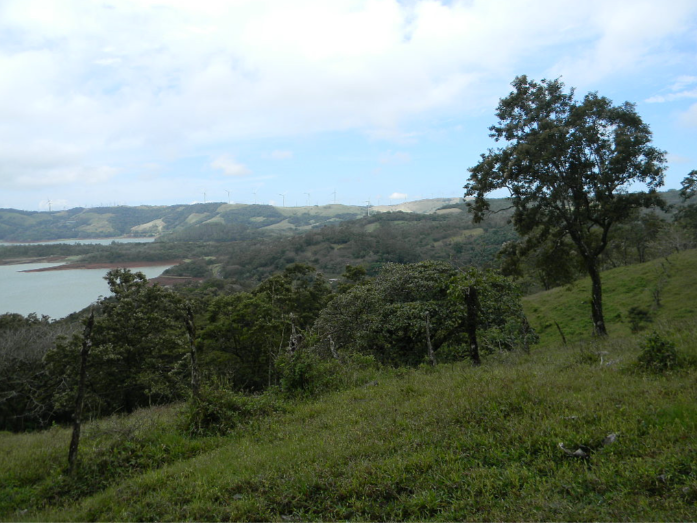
151,221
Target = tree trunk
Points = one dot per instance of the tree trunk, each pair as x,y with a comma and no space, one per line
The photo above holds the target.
471,301
429,345
597,301
80,398
563,338
191,332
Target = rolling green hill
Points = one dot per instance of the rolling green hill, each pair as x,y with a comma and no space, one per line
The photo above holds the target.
454,442
107,222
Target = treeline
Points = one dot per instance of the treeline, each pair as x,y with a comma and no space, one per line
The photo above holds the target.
243,255
293,333
449,235
371,241
112,253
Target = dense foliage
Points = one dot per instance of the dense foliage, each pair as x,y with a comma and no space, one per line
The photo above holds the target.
406,308
568,166
273,336
139,351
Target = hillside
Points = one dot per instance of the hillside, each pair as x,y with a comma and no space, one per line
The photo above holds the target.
448,443
664,288
143,221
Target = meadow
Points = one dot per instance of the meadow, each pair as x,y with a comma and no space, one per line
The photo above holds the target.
577,431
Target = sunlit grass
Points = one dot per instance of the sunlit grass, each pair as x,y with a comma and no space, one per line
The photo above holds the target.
448,443
665,287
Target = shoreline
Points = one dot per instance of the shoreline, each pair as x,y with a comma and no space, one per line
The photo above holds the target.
105,265
71,241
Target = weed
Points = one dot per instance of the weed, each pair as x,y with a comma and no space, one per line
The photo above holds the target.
219,411
638,318
658,355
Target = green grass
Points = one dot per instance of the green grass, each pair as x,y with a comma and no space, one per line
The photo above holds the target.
624,287
33,465
448,443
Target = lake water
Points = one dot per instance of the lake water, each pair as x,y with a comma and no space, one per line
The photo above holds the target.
54,293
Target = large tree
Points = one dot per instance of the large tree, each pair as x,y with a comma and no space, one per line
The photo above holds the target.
569,167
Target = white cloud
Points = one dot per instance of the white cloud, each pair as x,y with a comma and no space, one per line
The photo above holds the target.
679,91
282,155
230,166
66,176
160,80
684,81
676,158
621,36
398,196
673,96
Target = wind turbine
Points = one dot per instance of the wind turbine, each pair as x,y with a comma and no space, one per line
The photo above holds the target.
255,197
284,198
308,199
228,196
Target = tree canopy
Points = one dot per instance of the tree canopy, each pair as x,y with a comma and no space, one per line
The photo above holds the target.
568,166
406,308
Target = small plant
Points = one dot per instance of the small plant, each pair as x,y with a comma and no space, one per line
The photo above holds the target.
304,373
589,354
638,318
658,354
218,411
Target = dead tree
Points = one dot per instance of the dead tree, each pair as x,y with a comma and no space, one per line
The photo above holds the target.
191,332
472,303
429,345
80,398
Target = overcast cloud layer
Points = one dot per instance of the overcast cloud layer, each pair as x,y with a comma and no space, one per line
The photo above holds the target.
175,101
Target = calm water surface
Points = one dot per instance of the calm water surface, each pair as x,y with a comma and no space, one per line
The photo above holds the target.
54,293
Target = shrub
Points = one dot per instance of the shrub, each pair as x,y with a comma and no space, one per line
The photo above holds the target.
658,355
638,318
219,411
304,373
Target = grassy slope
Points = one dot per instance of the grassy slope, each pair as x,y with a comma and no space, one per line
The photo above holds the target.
624,287
450,443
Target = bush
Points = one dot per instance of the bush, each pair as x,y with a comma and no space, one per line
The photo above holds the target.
304,373
638,318
218,411
658,355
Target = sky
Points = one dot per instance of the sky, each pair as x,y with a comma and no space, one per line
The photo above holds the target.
309,102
